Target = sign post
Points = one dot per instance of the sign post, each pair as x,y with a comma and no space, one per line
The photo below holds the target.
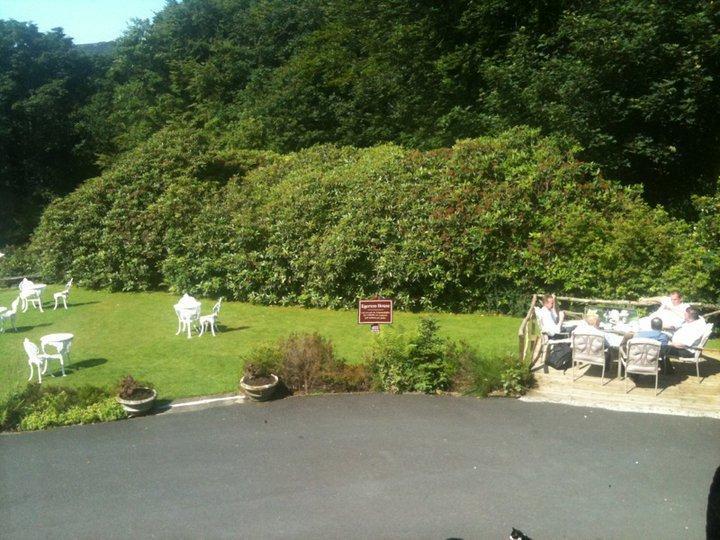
375,313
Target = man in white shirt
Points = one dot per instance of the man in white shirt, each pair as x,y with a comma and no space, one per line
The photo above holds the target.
688,335
550,320
671,311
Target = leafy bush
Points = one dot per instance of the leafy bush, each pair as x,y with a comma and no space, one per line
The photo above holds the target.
476,226
39,407
420,363
516,379
307,363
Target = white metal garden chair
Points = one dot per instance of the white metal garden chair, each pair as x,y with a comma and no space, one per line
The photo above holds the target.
63,295
641,356
30,293
210,320
40,360
10,315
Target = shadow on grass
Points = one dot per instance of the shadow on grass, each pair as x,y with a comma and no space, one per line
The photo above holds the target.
76,304
21,329
84,364
224,329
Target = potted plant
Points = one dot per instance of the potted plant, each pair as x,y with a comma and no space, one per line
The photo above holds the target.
136,398
258,382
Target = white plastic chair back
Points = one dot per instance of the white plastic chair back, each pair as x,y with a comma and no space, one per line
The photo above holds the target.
32,351
25,284
588,347
642,355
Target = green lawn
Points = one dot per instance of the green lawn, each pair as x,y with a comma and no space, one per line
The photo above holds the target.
121,333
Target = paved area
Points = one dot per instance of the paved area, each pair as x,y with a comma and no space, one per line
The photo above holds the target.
681,393
364,466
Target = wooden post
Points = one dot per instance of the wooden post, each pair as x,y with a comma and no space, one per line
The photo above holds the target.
523,331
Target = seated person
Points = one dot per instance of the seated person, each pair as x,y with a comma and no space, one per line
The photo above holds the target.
591,325
657,334
671,311
688,335
552,322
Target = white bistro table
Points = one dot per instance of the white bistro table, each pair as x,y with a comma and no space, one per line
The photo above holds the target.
61,341
188,312
31,291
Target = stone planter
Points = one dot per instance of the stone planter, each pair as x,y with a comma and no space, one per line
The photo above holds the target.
261,392
136,407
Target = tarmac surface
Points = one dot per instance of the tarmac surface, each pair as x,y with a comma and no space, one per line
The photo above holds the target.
364,466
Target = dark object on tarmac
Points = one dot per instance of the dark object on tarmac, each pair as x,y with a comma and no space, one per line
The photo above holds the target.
518,535
712,527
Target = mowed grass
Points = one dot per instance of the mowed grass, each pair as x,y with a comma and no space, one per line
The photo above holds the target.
134,333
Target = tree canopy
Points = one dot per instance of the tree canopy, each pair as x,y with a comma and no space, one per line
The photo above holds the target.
634,83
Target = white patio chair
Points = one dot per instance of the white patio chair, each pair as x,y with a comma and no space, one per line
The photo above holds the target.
641,356
210,320
63,295
697,357
31,297
588,348
10,314
36,358
187,319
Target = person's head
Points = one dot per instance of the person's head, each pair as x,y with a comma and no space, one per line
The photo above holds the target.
656,323
676,298
592,319
691,314
548,301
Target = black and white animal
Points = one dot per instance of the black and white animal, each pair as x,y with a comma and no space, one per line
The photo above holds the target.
518,535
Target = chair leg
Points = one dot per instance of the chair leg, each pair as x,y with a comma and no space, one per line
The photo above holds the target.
62,366
179,328
656,381
189,329
202,328
31,372
697,369
64,302
625,381
602,376
212,328
56,301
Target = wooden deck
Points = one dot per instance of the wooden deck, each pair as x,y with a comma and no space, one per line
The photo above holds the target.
681,393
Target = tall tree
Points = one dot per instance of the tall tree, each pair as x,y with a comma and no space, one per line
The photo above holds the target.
43,82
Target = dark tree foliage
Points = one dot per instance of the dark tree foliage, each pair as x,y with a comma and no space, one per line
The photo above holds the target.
43,83
636,82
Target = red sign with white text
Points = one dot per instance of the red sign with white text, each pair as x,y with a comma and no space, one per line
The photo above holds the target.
375,312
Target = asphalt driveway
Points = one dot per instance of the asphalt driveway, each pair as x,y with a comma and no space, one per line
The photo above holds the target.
364,466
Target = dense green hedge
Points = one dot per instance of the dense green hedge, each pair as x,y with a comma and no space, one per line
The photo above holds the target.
476,226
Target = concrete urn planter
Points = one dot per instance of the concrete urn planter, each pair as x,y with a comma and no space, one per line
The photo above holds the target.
136,407
259,392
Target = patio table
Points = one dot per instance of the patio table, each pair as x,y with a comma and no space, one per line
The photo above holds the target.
61,341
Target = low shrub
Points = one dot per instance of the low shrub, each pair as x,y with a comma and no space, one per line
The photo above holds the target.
475,226
423,362
38,407
307,363
516,379
481,375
